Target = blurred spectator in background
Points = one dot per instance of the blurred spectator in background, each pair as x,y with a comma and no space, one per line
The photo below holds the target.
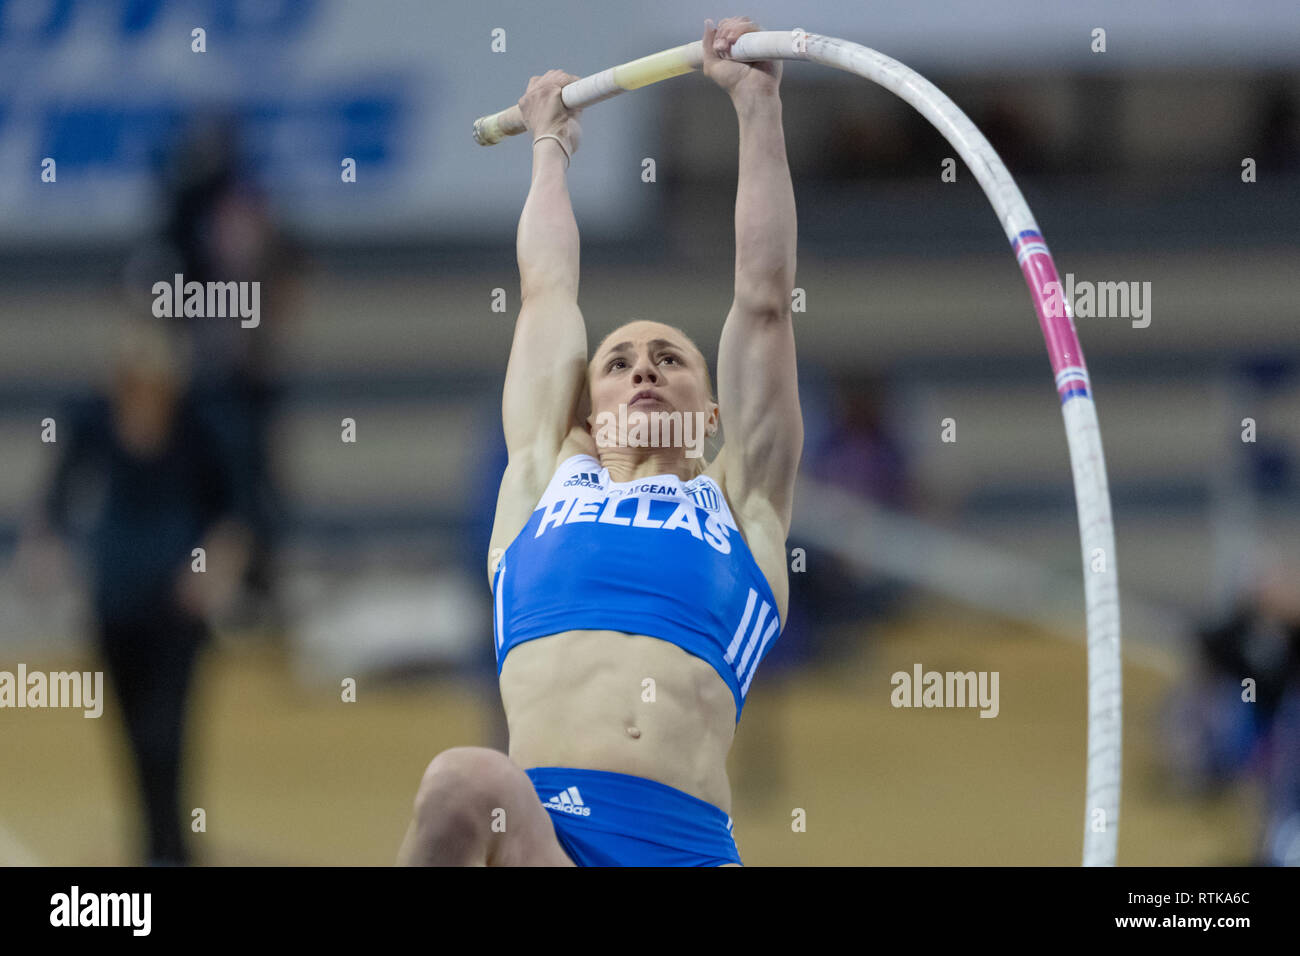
140,482
1010,132
1279,129
860,455
832,606
858,147
1215,732
218,228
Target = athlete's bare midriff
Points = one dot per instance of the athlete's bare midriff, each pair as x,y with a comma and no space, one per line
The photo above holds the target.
605,700
582,698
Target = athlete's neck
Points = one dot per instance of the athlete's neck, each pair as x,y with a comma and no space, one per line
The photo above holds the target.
628,465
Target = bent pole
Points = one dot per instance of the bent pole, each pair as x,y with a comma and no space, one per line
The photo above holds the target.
1091,490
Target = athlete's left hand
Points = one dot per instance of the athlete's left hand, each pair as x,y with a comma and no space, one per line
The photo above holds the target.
736,77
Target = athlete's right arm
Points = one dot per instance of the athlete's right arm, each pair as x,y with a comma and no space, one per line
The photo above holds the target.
547,371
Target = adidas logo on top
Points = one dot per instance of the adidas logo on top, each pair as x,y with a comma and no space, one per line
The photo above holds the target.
569,801
584,479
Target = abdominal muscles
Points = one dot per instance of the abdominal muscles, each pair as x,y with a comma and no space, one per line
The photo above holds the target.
605,700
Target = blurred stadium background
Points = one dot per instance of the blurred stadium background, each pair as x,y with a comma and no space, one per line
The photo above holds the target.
377,306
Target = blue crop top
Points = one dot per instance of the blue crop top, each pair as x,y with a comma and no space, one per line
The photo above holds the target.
655,556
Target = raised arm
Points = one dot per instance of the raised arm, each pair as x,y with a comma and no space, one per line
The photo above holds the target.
757,381
548,358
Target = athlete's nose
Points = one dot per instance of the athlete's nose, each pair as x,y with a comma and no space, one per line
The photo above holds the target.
645,372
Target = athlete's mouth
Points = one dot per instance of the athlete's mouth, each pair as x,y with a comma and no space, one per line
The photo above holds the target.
646,395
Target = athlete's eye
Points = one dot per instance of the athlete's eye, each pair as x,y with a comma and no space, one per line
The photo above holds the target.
672,358
610,366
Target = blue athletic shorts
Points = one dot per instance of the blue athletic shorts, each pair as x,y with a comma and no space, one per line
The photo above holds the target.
613,819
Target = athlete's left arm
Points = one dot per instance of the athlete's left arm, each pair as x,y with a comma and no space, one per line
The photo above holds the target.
757,382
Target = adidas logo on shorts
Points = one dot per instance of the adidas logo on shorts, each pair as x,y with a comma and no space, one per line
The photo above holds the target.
568,801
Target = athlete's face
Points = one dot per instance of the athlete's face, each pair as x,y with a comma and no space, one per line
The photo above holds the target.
649,367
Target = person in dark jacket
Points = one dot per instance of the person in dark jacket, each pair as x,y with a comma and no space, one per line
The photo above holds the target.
1239,712
141,484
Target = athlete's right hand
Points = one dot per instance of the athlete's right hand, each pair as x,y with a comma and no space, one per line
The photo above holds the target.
544,111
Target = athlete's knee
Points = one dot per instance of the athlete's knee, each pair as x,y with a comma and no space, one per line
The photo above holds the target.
460,789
